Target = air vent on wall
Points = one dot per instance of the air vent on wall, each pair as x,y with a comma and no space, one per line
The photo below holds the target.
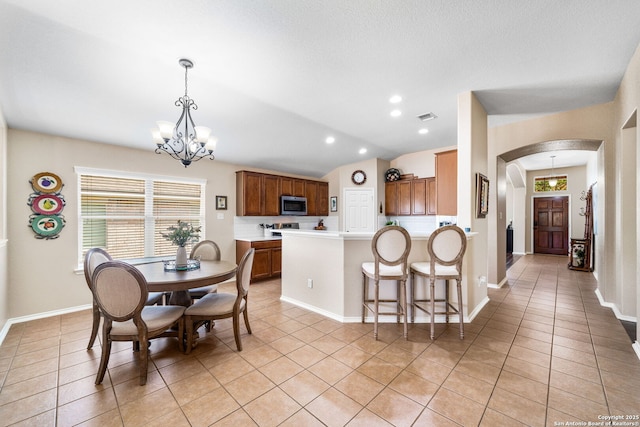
427,116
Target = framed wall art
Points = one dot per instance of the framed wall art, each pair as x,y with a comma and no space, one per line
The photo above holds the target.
334,204
482,195
221,203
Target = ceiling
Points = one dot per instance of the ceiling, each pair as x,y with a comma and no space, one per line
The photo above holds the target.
274,78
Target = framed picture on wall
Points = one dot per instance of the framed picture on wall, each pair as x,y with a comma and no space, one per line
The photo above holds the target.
221,203
334,204
482,195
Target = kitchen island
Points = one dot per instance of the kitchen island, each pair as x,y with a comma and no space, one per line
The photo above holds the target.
321,271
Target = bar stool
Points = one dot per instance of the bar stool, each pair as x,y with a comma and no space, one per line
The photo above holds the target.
390,247
446,248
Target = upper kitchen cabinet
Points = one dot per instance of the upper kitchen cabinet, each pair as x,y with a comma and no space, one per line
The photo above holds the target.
423,196
413,196
292,186
447,183
258,194
398,198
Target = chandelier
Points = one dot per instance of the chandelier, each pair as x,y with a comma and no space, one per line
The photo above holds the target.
184,140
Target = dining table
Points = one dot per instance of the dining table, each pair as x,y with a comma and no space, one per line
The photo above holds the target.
178,282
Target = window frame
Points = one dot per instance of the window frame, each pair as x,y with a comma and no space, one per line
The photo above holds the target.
148,218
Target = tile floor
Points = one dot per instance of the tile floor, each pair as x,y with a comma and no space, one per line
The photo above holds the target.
542,352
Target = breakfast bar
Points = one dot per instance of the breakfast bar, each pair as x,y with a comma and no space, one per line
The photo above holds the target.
321,271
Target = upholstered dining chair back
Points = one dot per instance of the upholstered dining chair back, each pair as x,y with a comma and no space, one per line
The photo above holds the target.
391,246
120,290
243,275
446,247
93,258
206,250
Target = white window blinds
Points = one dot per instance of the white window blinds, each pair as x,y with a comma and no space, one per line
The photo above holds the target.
125,214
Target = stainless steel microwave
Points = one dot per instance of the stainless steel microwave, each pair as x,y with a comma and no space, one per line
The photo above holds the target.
292,205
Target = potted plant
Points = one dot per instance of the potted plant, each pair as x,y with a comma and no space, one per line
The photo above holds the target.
180,235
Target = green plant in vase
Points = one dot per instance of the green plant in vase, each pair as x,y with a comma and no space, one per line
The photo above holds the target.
180,235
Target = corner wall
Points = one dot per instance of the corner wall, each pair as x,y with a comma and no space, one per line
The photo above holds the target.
4,277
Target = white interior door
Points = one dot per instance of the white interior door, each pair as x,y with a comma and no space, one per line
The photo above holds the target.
359,212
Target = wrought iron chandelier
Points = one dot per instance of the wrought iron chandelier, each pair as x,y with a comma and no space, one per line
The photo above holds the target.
188,143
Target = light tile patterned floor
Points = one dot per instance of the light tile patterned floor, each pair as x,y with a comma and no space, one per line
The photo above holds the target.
542,351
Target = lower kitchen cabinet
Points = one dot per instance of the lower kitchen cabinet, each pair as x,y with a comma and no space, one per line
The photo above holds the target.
267,261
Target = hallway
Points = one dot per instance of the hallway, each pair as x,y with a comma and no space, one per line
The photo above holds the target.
543,351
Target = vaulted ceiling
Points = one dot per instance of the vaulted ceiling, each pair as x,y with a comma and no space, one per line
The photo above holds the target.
275,78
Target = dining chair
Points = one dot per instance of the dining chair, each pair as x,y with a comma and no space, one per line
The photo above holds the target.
390,246
446,248
120,291
206,250
93,258
223,305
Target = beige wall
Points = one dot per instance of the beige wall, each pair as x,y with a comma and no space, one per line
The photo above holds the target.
4,277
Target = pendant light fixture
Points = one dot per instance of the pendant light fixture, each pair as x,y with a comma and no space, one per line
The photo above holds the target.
184,140
553,181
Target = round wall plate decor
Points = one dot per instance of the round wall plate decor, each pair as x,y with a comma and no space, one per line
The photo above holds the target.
46,182
391,175
47,204
47,225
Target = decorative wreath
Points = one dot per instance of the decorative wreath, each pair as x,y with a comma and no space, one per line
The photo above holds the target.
392,174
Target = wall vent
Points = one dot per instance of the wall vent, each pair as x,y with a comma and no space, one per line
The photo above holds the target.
427,116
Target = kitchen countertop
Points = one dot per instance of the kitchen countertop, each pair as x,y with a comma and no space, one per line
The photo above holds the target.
258,238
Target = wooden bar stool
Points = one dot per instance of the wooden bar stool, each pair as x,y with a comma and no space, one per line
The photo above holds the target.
446,248
390,247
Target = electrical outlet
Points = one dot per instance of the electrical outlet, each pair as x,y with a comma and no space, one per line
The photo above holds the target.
310,283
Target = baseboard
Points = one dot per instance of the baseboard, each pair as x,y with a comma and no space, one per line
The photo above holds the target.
636,348
497,286
614,308
21,319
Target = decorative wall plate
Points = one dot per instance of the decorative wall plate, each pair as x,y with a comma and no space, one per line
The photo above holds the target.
47,204
47,226
46,182
391,175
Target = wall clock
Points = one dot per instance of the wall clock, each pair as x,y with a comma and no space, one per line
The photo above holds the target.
358,177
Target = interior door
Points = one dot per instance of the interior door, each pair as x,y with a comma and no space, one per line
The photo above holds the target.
359,212
551,225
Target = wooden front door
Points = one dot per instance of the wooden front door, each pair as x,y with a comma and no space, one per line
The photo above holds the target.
551,225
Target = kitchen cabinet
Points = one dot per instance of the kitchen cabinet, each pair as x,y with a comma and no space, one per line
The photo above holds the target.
311,193
410,197
267,260
292,186
447,183
323,198
258,194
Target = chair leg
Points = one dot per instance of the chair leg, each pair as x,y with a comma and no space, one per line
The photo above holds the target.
95,326
188,325
433,308
403,303
236,330
413,297
375,310
181,334
446,301
246,320
398,301
106,352
144,358
364,295
460,311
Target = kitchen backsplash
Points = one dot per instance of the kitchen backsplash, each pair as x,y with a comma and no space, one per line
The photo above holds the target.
245,227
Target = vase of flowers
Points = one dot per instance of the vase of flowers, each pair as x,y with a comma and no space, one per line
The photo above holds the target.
180,235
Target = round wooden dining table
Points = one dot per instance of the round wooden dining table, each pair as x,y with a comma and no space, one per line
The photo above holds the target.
179,282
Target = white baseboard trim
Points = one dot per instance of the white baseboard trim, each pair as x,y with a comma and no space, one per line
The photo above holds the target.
636,348
614,308
498,286
14,320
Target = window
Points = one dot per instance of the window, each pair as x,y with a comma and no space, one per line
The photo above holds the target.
541,184
125,213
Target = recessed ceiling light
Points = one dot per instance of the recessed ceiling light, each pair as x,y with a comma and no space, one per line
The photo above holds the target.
395,99
423,131
396,113
330,140
362,150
